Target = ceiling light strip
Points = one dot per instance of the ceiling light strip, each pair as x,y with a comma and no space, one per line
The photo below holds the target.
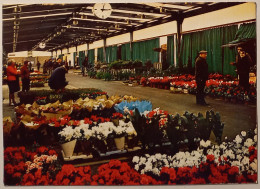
135,12
107,21
120,17
48,15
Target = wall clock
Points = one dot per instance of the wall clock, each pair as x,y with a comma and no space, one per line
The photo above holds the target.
42,45
102,10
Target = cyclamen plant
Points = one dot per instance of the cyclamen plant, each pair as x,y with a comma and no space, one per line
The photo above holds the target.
241,153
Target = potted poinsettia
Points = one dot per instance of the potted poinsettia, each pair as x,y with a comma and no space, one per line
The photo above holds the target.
68,139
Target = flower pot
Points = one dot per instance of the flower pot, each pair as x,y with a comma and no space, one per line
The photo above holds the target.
68,148
115,121
120,143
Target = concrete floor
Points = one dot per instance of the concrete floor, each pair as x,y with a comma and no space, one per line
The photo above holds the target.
237,117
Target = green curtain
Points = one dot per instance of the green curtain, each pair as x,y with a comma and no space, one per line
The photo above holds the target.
144,50
210,40
126,52
186,49
91,56
61,56
229,54
246,31
81,57
111,54
100,55
170,50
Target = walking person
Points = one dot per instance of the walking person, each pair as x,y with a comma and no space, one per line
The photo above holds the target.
201,76
12,81
38,65
25,75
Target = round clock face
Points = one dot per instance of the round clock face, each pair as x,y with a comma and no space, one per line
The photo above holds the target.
102,10
42,45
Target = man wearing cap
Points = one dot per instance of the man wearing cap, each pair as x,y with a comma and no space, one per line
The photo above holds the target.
25,75
201,76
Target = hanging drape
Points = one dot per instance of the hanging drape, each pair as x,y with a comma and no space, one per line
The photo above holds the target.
91,56
61,56
144,50
100,55
229,53
245,31
211,41
81,57
74,58
170,50
126,52
111,54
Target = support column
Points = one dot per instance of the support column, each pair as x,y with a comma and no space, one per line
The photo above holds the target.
104,49
131,44
179,31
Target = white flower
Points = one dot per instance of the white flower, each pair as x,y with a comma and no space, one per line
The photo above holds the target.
142,171
156,171
255,138
135,159
253,165
136,167
142,160
158,156
205,144
249,142
243,133
255,131
238,139
245,161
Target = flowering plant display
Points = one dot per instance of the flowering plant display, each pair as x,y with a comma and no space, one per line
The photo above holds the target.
120,173
140,105
230,162
17,159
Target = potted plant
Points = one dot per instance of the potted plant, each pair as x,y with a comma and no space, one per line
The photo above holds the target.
68,139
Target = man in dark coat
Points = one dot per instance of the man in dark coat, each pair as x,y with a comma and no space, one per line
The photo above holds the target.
243,68
201,76
57,80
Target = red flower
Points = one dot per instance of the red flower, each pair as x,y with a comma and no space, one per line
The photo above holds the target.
18,156
65,182
233,170
251,148
17,174
52,152
101,181
42,149
198,181
210,158
95,177
20,167
43,181
94,183
38,174
9,169
252,178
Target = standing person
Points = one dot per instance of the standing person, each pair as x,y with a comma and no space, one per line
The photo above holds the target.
38,66
243,64
84,65
57,80
30,66
243,68
201,76
25,75
13,84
